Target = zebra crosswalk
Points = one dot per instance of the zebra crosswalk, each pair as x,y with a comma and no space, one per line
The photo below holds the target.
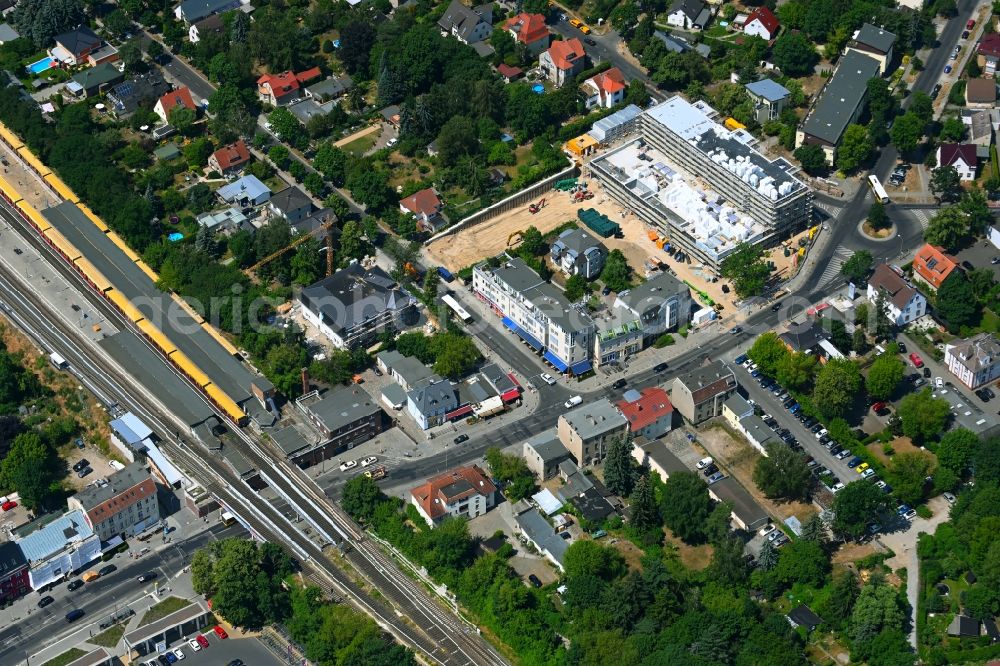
923,217
832,270
828,207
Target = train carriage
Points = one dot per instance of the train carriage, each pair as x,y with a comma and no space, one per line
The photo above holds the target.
94,277
59,242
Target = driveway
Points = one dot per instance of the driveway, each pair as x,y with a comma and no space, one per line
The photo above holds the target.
904,545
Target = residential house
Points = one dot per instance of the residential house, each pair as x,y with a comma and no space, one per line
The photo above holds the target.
903,303
247,191
873,42
230,159
735,409
7,33
14,579
678,44
329,89
699,394
404,369
56,545
661,304
173,100
543,453
618,336
530,31
656,455
284,88
604,90
960,156
291,203
649,412
124,505
354,304
981,93
589,429
757,432
975,361
390,115
81,46
762,23
688,14
841,103
932,266
769,99
963,626
803,616
432,402
126,97
167,152
509,73
533,527
192,11
988,53
464,492
224,221
576,252
563,60
345,416
805,337
979,125
746,513
426,206
212,25
94,80
467,24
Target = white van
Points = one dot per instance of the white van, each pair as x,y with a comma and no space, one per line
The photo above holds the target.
573,402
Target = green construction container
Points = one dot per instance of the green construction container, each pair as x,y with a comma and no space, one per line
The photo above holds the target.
566,184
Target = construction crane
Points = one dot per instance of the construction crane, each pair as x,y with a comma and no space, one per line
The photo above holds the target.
327,226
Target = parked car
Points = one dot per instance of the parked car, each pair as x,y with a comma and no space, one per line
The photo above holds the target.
843,454
854,462
461,438
80,464
620,384
107,570
902,347
936,91
927,373
938,382
195,644
8,505
947,69
45,601
916,360
775,307
868,473
202,641
821,433
350,464
710,470
704,462
718,476
74,585
219,631
967,265
660,367
950,498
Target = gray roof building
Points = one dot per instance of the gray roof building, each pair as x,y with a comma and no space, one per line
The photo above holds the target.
7,33
342,407
498,379
95,80
873,38
700,393
330,88
661,303
842,99
540,533
394,396
768,89
575,482
802,337
518,275
248,190
543,453
468,24
594,419
289,440
291,203
192,11
431,400
578,253
94,495
167,152
746,512
129,95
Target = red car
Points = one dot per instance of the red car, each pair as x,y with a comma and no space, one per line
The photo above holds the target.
8,505
202,641
970,24
878,407
220,632
916,360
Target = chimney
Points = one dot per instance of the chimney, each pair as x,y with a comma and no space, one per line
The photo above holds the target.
305,381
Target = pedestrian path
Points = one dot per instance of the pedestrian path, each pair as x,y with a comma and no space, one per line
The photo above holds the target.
832,270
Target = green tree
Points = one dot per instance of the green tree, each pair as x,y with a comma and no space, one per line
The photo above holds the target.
836,386
814,529
31,467
686,506
956,302
352,243
620,473
197,152
616,275
796,370
455,355
909,472
946,184
884,375
513,471
308,263
812,158
948,228
855,505
952,130
182,118
957,450
923,415
361,498
876,609
41,20
877,217
458,137
643,513
130,53
802,562
532,242
203,573
768,352
794,54
589,558
977,211
907,131
279,154
746,269
859,265
576,287
859,342
838,605
855,148
782,473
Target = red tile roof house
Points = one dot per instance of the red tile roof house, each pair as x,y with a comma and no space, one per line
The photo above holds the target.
284,88
989,53
530,30
763,23
605,89
175,99
426,206
961,156
509,73
932,266
649,413
563,60
230,159
464,492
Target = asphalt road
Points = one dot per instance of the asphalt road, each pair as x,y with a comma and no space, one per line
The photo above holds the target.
31,633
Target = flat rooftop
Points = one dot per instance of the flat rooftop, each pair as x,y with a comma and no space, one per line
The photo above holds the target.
693,209
224,369
730,149
965,413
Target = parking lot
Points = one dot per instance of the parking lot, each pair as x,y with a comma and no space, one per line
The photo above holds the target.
221,652
981,255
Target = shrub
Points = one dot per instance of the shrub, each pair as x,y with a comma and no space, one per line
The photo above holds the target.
663,341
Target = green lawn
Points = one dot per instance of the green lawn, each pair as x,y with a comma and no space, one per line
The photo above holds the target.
163,609
67,657
990,322
361,145
110,637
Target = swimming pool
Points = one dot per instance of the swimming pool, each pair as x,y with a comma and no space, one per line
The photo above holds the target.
538,88
174,237
41,65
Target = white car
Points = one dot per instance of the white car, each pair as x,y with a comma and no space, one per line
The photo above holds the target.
370,460
179,653
837,487
867,473
767,529
938,382
392,142
350,464
821,432
548,379
573,402
194,645
704,462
